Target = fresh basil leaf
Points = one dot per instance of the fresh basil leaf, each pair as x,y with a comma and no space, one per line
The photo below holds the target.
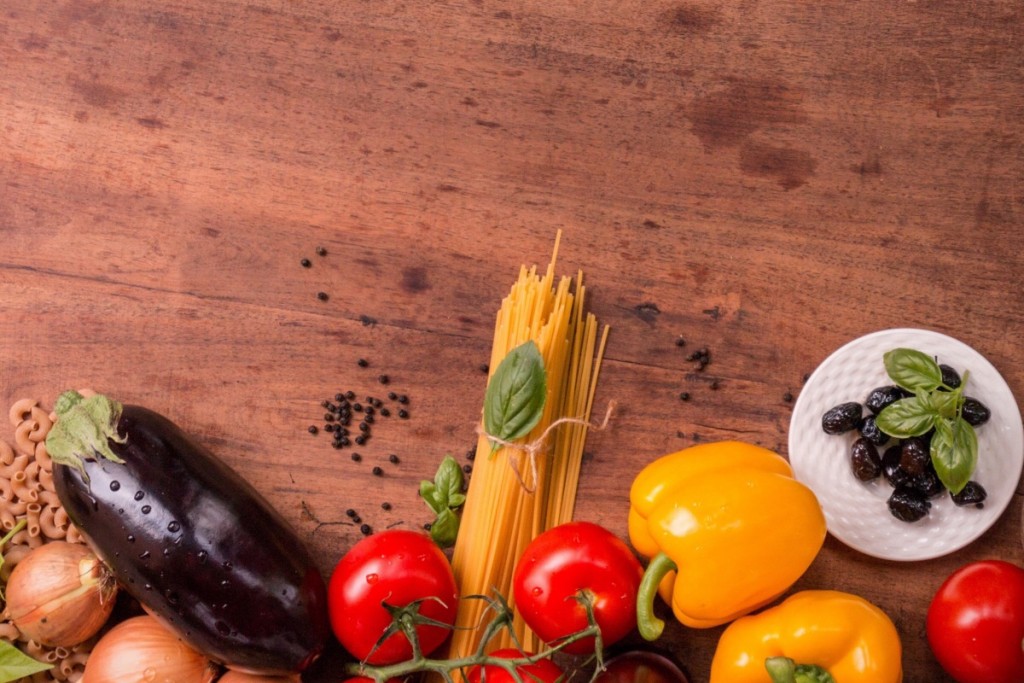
912,369
16,665
954,451
448,480
946,403
430,495
907,417
445,529
514,401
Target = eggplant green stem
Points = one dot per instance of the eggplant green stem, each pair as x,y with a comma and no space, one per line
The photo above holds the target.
647,623
84,428
785,670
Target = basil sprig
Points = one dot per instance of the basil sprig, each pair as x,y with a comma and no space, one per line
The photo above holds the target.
934,405
514,401
444,496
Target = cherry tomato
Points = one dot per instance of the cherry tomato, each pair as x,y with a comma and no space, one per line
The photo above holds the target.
976,623
562,563
542,671
397,567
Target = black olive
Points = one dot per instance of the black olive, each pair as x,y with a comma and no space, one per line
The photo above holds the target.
882,397
894,474
971,494
928,483
864,460
950,377
842,418
915,455
869,430
975,412
907,504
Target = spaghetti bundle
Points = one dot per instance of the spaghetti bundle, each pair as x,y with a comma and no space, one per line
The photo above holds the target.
516,493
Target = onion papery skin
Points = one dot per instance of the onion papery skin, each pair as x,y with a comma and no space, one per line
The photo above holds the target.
60,594
142,650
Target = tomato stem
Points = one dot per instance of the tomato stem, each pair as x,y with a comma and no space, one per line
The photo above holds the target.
502,620
647,623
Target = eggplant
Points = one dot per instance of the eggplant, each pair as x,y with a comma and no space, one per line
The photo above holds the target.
188,537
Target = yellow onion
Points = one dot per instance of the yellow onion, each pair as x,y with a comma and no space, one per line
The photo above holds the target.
60,594
142,650
240,677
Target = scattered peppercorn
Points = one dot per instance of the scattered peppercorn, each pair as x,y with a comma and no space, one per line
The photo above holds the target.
366,530
377,471
403,399
312,429
714,385
358,407
392,396
350,512
385,505
787,397
383,379
467,468
356,457
393,459
306,263
385,412
485,368
320,251
680,341
322,296
361,439
404,414
427,526
350,395
684,396
328,428
362,362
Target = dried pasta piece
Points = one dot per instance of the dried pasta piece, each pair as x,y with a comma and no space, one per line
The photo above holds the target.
22,410
23,488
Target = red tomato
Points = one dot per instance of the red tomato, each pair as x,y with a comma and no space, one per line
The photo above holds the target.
542,671
563,562
976,623
396,567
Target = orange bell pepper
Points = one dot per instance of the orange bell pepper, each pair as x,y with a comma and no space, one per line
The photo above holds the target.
728,529
816,636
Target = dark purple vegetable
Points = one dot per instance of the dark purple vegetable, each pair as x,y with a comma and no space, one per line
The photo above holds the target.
187,536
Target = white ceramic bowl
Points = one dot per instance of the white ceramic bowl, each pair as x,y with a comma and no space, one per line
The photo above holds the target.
856,512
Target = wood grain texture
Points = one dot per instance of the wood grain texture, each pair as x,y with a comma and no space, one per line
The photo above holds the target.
768,179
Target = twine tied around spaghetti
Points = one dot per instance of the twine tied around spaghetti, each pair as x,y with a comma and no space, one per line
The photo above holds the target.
533,448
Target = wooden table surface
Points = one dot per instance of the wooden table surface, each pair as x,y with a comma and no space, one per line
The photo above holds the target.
765,179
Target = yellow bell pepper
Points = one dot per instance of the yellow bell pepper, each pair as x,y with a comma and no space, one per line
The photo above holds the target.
728,529
811,637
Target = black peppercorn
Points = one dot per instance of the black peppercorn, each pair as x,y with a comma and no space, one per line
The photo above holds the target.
320,251
383,379
350,512
403,399
363,427
322,296
393,396
403,414
684,396
366,530
361,439
362,362
306,263
385,412
328,428
385,505
312,429
377,471
393,459
467,468
356,457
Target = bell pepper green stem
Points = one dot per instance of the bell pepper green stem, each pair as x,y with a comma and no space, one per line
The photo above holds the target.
648,624
785,670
